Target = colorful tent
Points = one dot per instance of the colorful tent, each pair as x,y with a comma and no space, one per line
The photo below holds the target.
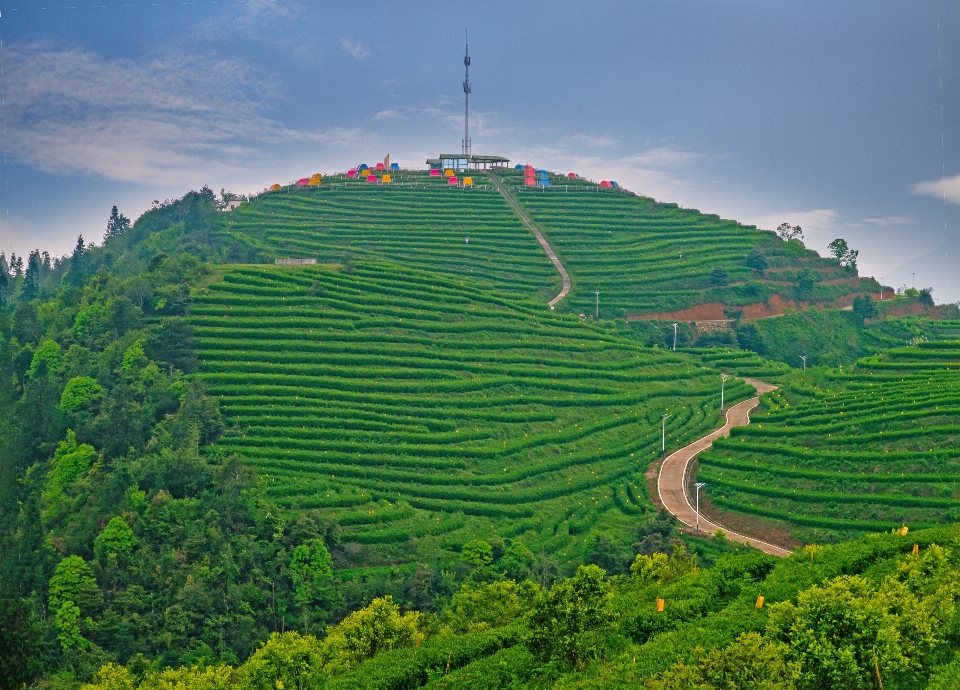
381,166
468,181
518,167
364,173
315,179
605,184
529,181
614,184
434,172
448,172
275,188
386,178
371,178
351,173
303,181
452,179
394,166
363,166
571,176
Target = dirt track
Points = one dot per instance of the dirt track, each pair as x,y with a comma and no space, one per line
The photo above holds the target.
671,484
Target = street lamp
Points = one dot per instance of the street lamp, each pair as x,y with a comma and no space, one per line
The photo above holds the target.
674,337
723,380
598,305
698,486
804,358
913,280
663,439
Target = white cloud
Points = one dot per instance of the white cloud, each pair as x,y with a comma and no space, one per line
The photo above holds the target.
818,220
169,120
890,220
356,49
388,115
945,188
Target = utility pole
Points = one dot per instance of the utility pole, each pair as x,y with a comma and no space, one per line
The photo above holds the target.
663,439
598,305
913,280
804,358
467,148
674,337
698,486
723,380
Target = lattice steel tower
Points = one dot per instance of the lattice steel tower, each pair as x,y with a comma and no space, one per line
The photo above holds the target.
467,147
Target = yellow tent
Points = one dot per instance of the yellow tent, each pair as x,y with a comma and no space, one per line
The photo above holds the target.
386,178
448,173
468,181
275,188
315,179
364,173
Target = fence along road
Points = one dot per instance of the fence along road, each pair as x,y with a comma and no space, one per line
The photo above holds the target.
671,484
540,238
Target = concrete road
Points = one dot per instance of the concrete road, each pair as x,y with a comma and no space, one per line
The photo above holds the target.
670,483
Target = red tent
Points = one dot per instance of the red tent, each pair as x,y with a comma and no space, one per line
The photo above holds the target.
529,181
605,184
380,166
571,176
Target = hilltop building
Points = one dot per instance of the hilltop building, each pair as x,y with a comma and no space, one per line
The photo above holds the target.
465,161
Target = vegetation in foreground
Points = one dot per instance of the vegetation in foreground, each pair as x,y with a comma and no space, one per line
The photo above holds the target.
881,610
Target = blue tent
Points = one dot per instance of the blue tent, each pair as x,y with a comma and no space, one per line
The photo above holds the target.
544,182
518,167
394,166
542,173
614,184
363,166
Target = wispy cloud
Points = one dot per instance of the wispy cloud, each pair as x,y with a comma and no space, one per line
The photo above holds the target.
946,188
162,121
355,48
890,220
388,115
818,220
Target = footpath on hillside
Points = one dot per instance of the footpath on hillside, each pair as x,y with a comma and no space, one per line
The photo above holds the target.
671,484
540,238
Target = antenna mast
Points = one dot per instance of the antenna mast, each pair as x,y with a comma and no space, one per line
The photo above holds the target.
467,147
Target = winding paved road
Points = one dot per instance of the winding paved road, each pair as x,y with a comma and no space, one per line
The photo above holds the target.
540,238
671,484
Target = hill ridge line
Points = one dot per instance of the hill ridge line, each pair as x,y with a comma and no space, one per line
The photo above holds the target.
565,290
671,482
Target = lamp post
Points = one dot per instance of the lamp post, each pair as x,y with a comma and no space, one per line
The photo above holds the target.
674,337
698,486
804,358
663,438
598,305
723,380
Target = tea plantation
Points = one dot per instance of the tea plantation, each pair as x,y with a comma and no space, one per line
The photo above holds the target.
409,404
647,257
416,220
839,452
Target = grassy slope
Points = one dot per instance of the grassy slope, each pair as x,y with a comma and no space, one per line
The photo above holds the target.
649,257
417,220
839,452
410,404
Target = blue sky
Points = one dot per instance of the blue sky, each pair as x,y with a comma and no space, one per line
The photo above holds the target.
822,114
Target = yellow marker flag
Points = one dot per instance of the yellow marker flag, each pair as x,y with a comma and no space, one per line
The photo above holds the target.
660,605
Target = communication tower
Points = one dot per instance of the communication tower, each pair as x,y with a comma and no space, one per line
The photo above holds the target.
467,147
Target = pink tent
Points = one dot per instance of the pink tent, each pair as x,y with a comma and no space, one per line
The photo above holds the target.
605,184
351,173
434,173
380,166
303,181
371,178
452,180
571,176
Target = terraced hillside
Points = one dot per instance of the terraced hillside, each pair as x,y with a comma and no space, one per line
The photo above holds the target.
417,220
646,257
840,452
408,404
